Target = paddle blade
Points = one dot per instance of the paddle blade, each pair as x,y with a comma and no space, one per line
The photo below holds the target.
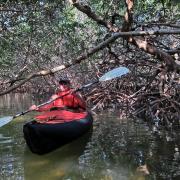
117,72
5,120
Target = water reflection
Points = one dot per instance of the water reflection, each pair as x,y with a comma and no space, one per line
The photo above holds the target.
11,149
55,165
117,149
113,150
11,104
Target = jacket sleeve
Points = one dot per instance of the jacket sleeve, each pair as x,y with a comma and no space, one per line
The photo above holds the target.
54,103
46,107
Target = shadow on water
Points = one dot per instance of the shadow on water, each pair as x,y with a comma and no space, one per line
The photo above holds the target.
57,164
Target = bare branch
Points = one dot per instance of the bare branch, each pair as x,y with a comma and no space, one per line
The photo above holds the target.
87,10
163,24
59,68
139,42
128,18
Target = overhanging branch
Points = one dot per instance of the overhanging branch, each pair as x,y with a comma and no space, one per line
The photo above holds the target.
139,42
100,46
59,68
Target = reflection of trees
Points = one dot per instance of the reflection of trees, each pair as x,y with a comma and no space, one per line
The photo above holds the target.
163,157
11,150
11,137
118,147
14,103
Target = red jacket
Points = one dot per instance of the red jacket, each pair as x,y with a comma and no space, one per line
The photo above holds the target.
67,100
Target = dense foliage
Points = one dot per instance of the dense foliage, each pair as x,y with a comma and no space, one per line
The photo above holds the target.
40,35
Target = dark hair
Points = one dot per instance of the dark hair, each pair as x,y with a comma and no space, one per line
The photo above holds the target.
64,82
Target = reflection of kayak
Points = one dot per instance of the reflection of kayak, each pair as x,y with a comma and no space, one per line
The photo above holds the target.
66,126
58,164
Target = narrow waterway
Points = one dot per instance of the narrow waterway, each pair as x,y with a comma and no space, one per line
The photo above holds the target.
116,149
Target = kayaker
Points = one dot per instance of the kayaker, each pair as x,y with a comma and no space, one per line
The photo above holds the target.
68,99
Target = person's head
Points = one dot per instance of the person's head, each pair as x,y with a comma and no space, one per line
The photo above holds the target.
64,85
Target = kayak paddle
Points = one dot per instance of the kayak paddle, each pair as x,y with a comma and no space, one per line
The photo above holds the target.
117,72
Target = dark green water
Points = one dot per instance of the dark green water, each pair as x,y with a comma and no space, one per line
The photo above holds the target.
113,151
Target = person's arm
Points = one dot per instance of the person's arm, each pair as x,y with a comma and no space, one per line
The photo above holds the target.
46,107
78,99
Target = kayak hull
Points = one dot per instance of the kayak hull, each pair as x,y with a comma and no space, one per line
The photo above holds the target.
43,138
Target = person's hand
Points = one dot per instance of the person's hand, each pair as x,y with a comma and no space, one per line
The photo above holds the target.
55,96
33,107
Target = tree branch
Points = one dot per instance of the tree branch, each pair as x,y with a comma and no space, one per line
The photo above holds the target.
139,42
87,10
58,68
136,41
95,49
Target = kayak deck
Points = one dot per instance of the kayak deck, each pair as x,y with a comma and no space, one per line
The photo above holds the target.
53,117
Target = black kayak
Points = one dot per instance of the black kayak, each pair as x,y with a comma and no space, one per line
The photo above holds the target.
43,138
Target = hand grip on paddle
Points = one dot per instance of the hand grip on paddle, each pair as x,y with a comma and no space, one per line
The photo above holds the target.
33,108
